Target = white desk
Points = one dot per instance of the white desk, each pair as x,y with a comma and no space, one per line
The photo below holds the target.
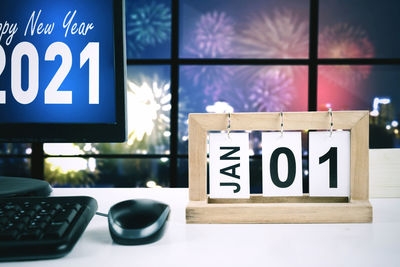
375,244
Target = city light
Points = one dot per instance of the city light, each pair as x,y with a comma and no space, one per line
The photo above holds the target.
375,105
152,184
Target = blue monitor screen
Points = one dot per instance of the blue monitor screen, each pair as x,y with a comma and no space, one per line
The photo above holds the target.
57,62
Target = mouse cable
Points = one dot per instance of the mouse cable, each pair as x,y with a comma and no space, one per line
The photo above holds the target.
101,214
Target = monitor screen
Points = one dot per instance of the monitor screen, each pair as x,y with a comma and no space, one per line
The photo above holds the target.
62,71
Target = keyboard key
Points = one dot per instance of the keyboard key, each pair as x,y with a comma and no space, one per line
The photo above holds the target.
10,213
9,206
37,207
74,206
10,225
56,230
25,219
33,225
30,213
67,215
57,207
41,218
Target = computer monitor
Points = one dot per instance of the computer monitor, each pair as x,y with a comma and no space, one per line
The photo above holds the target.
62,71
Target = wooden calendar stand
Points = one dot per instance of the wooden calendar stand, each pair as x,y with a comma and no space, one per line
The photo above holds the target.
260,209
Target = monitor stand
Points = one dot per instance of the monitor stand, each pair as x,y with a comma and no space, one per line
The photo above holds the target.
18,186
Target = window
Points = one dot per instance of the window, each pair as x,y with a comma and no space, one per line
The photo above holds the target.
221,56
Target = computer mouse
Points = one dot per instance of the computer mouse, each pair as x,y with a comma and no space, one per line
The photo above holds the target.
137,221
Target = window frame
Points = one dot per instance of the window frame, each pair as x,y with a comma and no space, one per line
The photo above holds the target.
38,156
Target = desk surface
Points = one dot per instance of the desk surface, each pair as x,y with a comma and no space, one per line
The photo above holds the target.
374,244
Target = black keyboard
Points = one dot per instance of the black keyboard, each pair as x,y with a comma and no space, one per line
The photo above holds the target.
42,227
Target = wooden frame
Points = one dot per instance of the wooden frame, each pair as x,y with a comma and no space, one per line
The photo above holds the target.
259,209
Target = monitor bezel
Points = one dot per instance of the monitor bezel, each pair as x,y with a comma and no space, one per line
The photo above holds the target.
83,132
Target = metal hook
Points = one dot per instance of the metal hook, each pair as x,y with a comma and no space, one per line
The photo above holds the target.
281,115
229,125
330,121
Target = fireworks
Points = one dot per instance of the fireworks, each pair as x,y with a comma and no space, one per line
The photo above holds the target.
345,41
282,35
147,26
271,92
213,36
148,110
134,48
212,79
238,98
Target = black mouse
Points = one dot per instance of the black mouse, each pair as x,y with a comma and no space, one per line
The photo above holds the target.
139,221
